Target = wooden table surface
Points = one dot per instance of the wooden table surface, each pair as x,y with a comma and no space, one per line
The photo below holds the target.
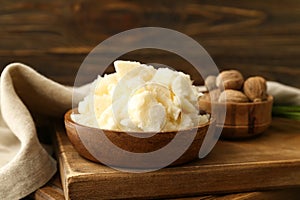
270,161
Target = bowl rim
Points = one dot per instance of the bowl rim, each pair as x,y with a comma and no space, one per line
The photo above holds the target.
269,99
67,117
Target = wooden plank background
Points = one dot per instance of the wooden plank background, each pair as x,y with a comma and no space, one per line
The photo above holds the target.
256,37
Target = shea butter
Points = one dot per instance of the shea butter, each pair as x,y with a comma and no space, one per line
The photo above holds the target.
138,97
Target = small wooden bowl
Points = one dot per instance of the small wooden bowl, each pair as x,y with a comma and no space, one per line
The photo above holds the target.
127,142
243,120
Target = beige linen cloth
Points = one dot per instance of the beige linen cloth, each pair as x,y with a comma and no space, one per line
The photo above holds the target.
24,164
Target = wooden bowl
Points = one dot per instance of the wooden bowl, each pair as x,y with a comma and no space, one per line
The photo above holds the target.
86,139
243,120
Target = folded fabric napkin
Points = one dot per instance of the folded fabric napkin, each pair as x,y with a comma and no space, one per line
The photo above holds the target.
283,94
24,163
287,100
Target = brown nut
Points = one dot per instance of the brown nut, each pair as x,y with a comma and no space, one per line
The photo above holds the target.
255,88
210,82
233,96
232,79
205,97
257,100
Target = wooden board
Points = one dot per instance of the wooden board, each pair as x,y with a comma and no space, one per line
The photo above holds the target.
53,191
271,161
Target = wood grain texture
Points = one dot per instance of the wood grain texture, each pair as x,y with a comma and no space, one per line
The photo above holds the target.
291,194
271,161
256,37
242,120
53,191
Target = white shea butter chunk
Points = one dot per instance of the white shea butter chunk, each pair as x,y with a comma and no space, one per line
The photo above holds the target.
138,97
146,112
